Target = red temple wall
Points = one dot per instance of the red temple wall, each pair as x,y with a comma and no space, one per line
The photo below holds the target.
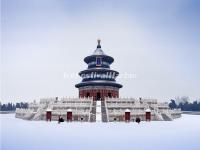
103,92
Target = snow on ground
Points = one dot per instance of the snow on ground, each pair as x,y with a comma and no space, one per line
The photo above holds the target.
181,134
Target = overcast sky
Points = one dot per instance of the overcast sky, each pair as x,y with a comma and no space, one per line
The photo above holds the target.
44,40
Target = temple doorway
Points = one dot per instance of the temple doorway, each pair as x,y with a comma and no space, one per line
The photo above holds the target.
109,95
98,96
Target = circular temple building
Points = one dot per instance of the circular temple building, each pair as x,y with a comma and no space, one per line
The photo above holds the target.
98,80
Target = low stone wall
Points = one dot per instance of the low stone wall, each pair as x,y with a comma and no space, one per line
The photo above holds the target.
191,112
7,112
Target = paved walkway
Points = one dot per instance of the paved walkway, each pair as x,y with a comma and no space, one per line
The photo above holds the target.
98,112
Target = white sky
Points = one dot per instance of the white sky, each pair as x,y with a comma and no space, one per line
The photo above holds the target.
158,41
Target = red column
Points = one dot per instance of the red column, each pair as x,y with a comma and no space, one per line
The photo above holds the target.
127,115
148,116
117,94
69,115
92,93
48,115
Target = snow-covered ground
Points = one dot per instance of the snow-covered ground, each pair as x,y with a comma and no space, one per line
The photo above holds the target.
181,134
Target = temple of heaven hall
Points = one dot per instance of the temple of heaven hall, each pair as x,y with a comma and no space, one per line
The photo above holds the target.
98,79
98,99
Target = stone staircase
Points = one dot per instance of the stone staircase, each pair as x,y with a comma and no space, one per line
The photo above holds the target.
29,116
166,118
103,111
93,112
40,110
